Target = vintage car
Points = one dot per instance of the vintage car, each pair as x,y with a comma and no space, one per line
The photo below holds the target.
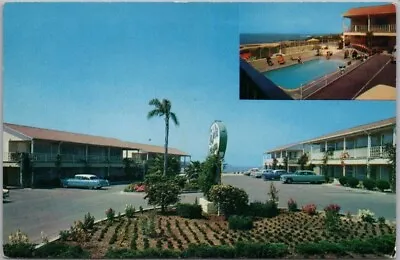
302,176
273,174
84,181
6,193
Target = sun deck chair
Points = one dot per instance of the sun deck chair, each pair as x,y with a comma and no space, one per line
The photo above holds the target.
280,60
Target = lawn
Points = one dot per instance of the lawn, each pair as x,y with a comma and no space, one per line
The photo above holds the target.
148,230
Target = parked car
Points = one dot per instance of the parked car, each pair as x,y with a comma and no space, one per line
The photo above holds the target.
253,172
6,193
274,174
302,176
257,174
85,181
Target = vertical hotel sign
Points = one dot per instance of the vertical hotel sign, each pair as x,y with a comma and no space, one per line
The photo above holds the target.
218,139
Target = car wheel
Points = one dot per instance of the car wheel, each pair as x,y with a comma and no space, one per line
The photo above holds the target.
65,186
289,181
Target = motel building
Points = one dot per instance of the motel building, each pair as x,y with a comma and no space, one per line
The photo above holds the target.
350,152
375,22
57,154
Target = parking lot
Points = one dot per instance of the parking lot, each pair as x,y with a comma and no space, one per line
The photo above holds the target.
52,210
320,194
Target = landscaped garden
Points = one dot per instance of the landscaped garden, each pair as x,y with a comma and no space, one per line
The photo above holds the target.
255,230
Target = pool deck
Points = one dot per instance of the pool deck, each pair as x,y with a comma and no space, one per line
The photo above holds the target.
355,82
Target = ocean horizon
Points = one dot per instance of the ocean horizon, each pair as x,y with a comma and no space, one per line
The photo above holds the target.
238,168
254,38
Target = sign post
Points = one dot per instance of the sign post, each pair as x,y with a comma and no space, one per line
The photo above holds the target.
217,146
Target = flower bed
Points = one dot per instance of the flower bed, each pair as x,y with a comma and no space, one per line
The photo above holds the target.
289,233
135,187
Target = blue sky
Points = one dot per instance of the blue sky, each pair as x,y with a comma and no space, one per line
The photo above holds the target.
302,18
92,68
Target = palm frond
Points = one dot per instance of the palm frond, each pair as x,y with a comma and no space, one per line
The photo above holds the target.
155,102
166,104
174,118
153,113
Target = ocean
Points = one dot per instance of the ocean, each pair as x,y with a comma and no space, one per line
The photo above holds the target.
270,37
230,168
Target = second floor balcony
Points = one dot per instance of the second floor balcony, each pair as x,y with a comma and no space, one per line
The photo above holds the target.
375,152
386,28
65,158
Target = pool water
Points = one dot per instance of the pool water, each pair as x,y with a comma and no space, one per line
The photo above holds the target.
294,76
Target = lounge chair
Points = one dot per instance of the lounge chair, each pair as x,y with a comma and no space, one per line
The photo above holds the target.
280,60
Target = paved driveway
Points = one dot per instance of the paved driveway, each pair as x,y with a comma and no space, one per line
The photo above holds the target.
381,204
52,210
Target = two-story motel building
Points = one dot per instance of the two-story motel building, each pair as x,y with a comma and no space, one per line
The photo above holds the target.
352,151
51,150
377,22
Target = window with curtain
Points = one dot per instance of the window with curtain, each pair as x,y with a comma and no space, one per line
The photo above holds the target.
387,138
362,142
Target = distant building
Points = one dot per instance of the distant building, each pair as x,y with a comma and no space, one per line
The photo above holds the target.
53,153
375,22
358,151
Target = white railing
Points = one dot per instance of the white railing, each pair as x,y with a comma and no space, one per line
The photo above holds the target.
389,28
378,152
66,158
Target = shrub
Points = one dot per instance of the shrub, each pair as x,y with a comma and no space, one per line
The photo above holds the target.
110,214
60,250
332,217
64,234
129,211
310,209
352,182
191,186
231,200
260,250
381,220
187,210
320,248
366,215
382,185
369,184
292,205
332,208
264,210
343,181
19,250
162,191
88,222
18,238
240,223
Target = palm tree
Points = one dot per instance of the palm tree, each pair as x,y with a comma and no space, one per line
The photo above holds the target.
162,108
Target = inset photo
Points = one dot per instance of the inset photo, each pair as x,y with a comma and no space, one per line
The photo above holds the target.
318,51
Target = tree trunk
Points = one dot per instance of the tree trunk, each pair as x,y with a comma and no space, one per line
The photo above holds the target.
166,144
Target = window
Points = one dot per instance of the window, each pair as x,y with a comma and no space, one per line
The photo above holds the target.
387,138
339,145
362,142
375,140
93,178
322,147
350,144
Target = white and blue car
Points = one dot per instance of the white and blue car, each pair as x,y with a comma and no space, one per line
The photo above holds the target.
89,181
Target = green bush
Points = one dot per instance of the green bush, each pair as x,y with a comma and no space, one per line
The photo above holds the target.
369,184
261,250
320,248
343,181
61,250
231,200
382,185
191,186
207,251
264,210
187,210
240,223
19,250
352,182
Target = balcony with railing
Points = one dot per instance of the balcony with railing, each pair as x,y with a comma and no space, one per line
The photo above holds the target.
65,158
378,152
385,28
357,153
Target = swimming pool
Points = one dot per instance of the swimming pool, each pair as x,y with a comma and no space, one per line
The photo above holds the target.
294,76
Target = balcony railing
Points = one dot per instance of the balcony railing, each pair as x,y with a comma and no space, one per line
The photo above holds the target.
357,153
65,158
386,28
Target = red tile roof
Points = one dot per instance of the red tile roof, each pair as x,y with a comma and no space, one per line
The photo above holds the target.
371,10
56,135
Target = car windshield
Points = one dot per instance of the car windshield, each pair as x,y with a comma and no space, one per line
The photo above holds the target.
93,178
